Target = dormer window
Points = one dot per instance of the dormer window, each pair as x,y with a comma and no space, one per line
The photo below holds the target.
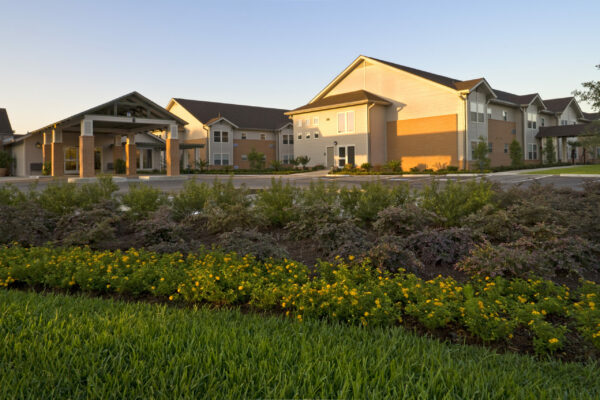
532,120
477,112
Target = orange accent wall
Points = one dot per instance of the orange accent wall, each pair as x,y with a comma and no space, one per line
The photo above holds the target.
430,142
245,146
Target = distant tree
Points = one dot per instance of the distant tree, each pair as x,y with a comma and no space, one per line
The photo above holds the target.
201,164
590,94
257,160
276,165
550,151
303,160
481,154
589,140
516,154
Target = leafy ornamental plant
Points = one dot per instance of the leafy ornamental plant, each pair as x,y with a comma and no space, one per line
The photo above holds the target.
276,204
120,166
303,160
516,154
276,165
191,199
46,168
366,202
201,165
550,151
143,199
455,201
393,166
256,159
480,153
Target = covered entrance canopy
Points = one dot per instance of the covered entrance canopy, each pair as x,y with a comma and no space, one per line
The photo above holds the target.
105,126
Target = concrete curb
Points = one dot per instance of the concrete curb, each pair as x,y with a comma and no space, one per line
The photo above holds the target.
580,175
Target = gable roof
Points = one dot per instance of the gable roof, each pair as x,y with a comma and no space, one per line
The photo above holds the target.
591,116
245,117
515,98
5,127
133,96
561,130
350,98
558,105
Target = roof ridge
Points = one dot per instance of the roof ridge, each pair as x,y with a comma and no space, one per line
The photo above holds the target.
229,104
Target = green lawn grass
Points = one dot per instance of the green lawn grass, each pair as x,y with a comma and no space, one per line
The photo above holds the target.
55,346
579,169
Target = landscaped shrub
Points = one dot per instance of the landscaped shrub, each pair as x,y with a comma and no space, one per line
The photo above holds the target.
217,219
120,166
393,166
310,217
259,245
142,199
455,200
366,202
403,220
442,247
390,254
342,239
496,224
26,223
276,204
95,227
191,199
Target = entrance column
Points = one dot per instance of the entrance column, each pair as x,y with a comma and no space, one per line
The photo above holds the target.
86,149
172,151
130,155
117,151
46,147
58,164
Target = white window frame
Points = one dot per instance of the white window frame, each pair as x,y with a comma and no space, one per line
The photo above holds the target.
346,118
506,148
142,158
315,121
345,158
532,153
316,135
489,113
218,158
263,136
300,136
531,120
224,137
244,136
308,135
299,124
244,157
504,115
217,135
307,122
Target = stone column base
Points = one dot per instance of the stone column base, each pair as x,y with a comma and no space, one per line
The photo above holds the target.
86,157
58,163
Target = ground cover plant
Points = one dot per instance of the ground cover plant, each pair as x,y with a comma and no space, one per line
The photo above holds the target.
579,169
85,347
535,314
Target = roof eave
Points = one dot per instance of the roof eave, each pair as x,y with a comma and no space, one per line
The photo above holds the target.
339,105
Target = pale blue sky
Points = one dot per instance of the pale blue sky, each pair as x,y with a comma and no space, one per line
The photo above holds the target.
61,57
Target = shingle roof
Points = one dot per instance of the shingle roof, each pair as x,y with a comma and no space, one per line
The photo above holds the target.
591,116
5,127
561,130
558,105
245,117
358,96
514,98
442,80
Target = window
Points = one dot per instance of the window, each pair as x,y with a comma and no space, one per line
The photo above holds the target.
71,159
285,139
308,135
346,122
221,158
563,122
299,123
506,146
291,139
243,136
244,157
217,137
306,122
299,136
316,135
225,137
473,147
543,122
532,151
504,115
489,113
341,156
147,159
288,139
490,147
316,121
477,112
532,120
263,136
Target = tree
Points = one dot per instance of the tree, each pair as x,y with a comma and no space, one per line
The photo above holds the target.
589,140
481,154
303,160
276,165
516,154
550,151
257,160
590,94
201,164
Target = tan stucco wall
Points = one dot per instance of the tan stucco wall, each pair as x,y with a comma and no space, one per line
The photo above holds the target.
377,122
423,142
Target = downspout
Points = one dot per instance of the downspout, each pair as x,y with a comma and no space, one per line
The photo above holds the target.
369,107
465,97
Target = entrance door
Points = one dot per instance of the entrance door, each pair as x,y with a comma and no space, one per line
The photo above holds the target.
98,159
330,157
351,155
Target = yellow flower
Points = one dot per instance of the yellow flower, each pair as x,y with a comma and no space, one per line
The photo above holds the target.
351,258
170,297
553,340
240,287
366,313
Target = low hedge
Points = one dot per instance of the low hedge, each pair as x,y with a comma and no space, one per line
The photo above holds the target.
489,309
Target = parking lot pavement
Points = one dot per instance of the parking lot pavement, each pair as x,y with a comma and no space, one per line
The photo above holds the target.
304,179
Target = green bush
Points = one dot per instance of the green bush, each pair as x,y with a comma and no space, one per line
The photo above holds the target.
366,202
455,200
142,199
276,204
120,166
256,159
191,199
393,166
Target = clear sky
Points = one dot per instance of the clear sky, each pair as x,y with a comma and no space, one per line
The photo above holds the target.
59,57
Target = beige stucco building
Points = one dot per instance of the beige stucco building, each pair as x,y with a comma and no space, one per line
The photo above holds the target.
376,111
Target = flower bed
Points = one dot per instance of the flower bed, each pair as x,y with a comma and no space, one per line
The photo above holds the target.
491,310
